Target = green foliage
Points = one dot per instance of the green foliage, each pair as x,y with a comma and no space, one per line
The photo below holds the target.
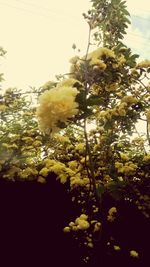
110,19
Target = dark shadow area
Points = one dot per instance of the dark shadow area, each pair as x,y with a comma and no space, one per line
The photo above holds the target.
130,230
32,217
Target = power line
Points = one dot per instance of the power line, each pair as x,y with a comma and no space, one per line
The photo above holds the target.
45,8
46,16
52,12
65,14
34,13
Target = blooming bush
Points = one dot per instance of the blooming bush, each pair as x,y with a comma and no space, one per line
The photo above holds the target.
84,130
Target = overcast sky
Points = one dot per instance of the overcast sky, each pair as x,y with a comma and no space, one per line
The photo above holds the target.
38,36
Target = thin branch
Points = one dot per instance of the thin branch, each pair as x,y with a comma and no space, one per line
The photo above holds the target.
147,131
89,42
91,168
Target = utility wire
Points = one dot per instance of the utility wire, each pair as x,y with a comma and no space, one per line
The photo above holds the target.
53,12
46,16
39,14
45,8
65,14
48,9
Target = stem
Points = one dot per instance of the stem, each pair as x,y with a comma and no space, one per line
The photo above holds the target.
89,42
147,131
91,168
88,151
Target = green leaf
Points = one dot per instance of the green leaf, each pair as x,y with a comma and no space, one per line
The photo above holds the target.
125,12
94,100
123,2
134,56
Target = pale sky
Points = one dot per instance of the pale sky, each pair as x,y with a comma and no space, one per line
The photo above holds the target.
38,37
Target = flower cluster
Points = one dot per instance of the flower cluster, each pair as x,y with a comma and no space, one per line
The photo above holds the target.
54,166
127,168
96,57
56,106
134,254
81,223
77,180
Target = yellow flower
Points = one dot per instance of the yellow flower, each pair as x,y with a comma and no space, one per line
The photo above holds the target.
117,248
111,214
100,52
134,254
68,83
80,147
62,139
28,172
49,162
121,112
56,105
118,165
128,168
111,87
63,178
48,85
12,172
112,210
28,140
41,180
73,164
66,229
5,145
74,228
83,225
97,226
83,217
90,245
58,168
44,172
2,107
97,62
37,143
107,178
147,158
124,157
129,99
71,224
